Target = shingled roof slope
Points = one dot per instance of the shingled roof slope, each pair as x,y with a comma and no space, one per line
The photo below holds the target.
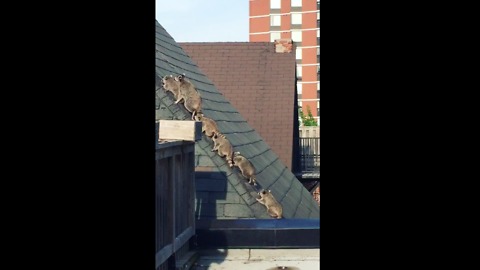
257,81
221,191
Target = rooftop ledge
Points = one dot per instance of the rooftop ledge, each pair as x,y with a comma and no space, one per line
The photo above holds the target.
258,233
258,259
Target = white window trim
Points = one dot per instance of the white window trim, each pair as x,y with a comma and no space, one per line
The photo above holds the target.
306,65
309,99
279,21
283,14
272,38
308,82
285,31
297,33
277,2
292,17
299,88
298,53
309,47
299,71
292,3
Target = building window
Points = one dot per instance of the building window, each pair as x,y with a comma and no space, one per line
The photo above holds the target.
318,16
318,51
318,33
299,71
274,35
299,88
296,18
275,20
298,53
275,4
297,36
318,23
318,86
296,3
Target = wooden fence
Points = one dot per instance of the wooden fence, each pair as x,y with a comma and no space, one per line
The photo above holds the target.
175,200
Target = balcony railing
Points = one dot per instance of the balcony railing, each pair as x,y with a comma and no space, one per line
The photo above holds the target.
310,155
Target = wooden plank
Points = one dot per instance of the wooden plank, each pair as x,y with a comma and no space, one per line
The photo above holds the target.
183,238
180,130
163,255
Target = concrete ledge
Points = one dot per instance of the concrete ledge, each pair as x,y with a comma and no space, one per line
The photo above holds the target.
260,254
285,254
224,254
257,265
258,259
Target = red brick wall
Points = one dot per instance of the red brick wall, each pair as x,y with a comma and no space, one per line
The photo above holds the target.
261,24
309,38
258,82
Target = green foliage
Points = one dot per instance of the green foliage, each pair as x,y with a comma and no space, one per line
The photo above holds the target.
308,120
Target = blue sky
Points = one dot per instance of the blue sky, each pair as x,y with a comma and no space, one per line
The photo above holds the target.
204,20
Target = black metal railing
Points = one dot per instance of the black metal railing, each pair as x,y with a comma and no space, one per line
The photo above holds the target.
310,154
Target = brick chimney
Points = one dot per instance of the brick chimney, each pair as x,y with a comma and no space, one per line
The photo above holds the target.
283,45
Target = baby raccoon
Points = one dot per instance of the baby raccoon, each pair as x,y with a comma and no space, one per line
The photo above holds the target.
223,146
274,209
208,125
187,92
245,166
170,84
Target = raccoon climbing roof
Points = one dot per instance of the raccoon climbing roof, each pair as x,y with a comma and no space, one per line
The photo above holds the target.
221,191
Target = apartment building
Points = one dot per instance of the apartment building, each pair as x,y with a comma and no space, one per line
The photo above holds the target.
298,20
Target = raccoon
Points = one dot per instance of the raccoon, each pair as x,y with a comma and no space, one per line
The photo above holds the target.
245,166
171,85
274,209
208,125
188,93
223,147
